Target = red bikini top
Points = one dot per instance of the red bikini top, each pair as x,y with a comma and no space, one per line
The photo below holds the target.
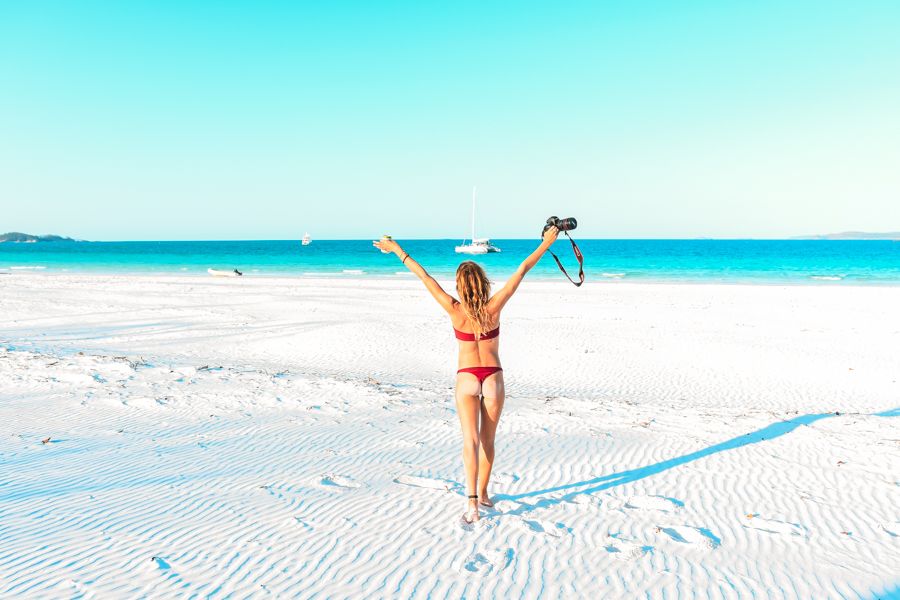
470,337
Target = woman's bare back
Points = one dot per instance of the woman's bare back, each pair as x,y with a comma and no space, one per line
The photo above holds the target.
478,353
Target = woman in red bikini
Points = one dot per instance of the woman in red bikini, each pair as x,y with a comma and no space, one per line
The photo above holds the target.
479,381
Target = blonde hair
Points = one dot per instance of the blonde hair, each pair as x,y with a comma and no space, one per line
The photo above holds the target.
474,290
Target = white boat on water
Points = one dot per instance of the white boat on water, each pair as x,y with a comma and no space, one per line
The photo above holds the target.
476,245
306,241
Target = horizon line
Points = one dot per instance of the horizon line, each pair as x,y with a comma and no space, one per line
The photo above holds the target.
812,237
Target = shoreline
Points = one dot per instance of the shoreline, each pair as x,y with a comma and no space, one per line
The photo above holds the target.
355,276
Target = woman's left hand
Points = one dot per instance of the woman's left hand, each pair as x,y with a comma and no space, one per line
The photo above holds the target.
550,235
386,245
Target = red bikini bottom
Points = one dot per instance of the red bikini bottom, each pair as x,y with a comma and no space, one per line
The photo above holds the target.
481,373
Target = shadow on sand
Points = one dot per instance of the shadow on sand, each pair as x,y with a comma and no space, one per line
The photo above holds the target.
604,482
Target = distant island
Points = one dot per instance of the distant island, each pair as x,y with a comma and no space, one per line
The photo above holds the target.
851,235
16,236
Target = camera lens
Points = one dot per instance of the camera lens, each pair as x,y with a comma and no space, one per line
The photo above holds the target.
567,224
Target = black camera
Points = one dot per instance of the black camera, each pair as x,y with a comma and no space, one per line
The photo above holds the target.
562,224
566,225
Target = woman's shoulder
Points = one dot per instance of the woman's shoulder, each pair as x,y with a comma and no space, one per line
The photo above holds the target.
458,316
492,304
459,320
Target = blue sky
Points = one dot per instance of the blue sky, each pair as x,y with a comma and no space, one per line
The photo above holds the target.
262,120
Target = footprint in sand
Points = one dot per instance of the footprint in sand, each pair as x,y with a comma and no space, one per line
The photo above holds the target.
698,536
338,482
588,500
621,548
504,478
660,503
539,527
426,482
478,563
775,526
83,591
509,506
484,563
892,529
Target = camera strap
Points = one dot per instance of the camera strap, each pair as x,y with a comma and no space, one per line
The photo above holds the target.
578,256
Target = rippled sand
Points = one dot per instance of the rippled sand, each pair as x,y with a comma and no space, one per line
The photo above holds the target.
293,437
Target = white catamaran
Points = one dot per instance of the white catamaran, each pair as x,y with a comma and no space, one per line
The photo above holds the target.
306,241
477,245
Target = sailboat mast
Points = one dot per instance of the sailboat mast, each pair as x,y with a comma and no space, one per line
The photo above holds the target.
473,214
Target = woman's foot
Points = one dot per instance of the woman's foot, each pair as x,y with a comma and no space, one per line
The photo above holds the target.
485,500
471,514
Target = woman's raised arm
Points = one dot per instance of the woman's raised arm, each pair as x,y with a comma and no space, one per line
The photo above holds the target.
443,298
503,295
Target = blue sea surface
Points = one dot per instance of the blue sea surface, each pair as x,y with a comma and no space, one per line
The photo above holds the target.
832,262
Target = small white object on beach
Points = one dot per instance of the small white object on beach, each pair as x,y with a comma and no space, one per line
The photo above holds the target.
223,273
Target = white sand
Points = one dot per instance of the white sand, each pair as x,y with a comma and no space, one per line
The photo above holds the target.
293,437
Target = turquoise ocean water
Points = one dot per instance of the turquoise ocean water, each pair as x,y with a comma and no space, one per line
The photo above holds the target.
828,262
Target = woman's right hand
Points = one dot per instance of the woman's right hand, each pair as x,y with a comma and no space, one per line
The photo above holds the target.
386,245
550,235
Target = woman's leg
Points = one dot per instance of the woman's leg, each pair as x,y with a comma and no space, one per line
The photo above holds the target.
468,406
491,407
